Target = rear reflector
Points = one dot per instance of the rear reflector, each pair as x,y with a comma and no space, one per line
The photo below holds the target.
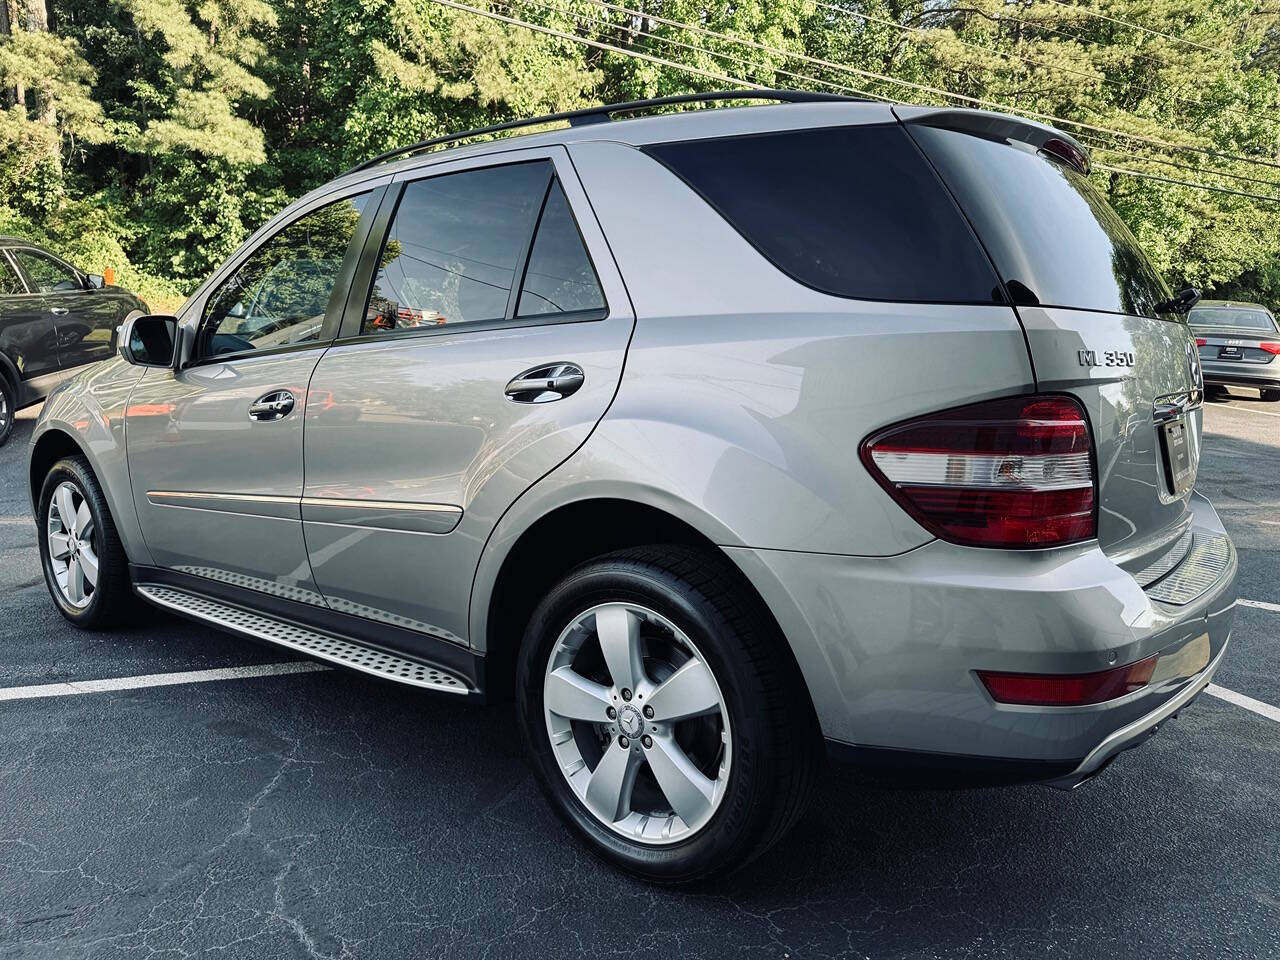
1270,347
1010,473
1068,689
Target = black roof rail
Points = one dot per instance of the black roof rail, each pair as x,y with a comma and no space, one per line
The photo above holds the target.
604,113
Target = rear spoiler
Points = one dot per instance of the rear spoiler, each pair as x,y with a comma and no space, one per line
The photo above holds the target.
1000,126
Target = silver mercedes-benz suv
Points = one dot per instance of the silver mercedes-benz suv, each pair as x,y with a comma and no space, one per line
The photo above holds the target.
713,437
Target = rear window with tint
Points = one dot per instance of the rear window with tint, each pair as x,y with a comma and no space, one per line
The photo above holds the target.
1053,237
1232,317
851,211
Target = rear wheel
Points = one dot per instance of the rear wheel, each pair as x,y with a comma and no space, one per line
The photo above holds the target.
664,719
1271,396
8,408
84,563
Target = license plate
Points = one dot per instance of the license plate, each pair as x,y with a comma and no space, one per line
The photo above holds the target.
1177,456
1230,353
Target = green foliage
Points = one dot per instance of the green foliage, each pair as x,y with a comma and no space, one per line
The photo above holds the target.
158,134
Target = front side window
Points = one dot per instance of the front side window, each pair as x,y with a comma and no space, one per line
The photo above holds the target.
280,295
10,282
47,275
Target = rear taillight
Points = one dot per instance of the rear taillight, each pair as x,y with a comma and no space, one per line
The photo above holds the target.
1009,473
1270,347
1201,342
1067,689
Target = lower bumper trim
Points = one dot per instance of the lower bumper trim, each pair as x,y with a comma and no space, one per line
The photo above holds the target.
1135,733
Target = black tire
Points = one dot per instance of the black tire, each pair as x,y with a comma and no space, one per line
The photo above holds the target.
1216,391
1271,395
8,408
777,747
112,601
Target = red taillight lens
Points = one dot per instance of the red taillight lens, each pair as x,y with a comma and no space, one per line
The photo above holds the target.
1270,347
1201,342
1010,473
1067,690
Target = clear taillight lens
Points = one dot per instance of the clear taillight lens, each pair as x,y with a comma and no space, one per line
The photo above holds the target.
1009,473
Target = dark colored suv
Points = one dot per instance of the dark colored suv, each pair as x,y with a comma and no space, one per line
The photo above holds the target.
53,320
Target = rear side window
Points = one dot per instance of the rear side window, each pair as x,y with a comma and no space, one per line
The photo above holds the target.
1232,317
9,281
559,277
1053,237
850,211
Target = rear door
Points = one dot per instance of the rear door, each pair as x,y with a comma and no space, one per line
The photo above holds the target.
486,342
1087,298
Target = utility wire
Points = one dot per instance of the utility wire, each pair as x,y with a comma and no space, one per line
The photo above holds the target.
1137,26
935,91
1010,55
513,21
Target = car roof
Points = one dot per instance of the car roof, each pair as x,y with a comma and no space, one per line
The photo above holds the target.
700,124
1230,305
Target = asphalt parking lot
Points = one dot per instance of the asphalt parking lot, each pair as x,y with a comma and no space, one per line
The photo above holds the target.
321,814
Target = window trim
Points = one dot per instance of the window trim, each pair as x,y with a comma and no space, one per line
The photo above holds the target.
332,322
357,308
997,284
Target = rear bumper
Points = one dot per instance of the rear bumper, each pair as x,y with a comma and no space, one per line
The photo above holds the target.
1137,732
1257,375
889,648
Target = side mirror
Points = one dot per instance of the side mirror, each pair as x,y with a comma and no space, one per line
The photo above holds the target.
95,281
149,341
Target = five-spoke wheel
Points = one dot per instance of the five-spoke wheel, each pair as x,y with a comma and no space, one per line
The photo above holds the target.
637,722
663,713
70,539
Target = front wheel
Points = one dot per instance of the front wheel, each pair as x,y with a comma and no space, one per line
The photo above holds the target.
84,563
664,718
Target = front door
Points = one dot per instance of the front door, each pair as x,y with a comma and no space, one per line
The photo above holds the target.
27,335
85,318
215,449
419,432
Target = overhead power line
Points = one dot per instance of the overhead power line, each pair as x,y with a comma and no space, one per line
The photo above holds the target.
935,91
514,21
1061,68
1137,26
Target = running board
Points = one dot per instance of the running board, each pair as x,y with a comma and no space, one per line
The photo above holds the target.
322,646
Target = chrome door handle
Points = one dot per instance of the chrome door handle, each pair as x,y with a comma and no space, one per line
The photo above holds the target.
274,406
59,311
548,382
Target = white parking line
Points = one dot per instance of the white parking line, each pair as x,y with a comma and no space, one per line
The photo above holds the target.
74,687
1240,700
1227,406
1260,604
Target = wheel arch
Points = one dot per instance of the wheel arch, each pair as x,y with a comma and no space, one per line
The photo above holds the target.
559,539
51,446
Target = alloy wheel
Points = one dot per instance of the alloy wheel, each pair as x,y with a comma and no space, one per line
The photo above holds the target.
73,554
638,723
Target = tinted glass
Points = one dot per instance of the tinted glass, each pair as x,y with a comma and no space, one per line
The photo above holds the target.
279,296
1053,237
10,282
853,211
454,247
47,275
559,278
1232,317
